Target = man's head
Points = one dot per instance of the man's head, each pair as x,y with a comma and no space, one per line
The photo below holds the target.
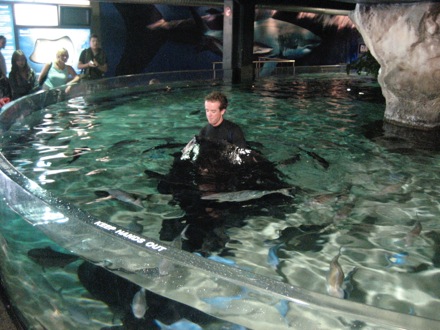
215,107
2,42
218,97
94,41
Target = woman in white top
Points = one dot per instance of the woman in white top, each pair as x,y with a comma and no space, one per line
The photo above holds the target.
58,73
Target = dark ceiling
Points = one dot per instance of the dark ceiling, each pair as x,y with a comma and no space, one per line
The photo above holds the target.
325,6
343,5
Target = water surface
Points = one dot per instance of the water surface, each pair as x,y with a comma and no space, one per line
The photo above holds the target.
364,203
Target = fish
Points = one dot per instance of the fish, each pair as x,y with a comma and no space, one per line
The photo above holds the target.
335,278
302,238
338,285
222,260
78,152
154,175
123,143
289,161
47,257
177,242
139,304
222,302
282,307
413,233
165,265
397,259
272,257
182,324
347,285
164,146
121,195
244,195
324,163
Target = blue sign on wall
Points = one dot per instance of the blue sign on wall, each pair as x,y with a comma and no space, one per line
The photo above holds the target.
41,44
7,30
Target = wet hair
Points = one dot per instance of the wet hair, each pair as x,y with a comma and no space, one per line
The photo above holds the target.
15,56
218,97
93,36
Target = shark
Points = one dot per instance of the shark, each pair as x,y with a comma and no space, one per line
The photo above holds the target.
273,38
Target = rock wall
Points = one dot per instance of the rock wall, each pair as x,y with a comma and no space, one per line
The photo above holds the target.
405,40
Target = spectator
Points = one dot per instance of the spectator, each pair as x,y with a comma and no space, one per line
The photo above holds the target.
58,73
2,58
92,61
21,78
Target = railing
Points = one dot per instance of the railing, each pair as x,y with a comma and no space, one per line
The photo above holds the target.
280,66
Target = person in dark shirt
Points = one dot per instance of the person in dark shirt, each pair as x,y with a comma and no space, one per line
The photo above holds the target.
93,61
219,128
22,77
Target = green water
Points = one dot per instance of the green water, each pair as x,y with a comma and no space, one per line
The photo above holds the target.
366,202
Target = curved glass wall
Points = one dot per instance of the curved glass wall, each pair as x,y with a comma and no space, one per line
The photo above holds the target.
226,292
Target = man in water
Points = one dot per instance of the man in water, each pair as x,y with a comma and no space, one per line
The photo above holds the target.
219,128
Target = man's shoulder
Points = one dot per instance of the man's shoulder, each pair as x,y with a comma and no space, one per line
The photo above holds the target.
205,128
83,52
230,124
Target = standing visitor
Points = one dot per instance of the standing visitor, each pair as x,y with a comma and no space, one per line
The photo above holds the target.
2,58
58,73
21,78
92,61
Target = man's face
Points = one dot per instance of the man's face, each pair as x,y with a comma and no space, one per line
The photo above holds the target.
94,43
213,112
2,43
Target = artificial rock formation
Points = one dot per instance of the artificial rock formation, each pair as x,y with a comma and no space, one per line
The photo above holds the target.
405,40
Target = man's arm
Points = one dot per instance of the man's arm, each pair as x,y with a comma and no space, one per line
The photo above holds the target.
102,65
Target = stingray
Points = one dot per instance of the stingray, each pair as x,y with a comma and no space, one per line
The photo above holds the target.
219,185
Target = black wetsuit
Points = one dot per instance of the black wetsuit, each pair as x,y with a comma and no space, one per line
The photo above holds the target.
227,131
